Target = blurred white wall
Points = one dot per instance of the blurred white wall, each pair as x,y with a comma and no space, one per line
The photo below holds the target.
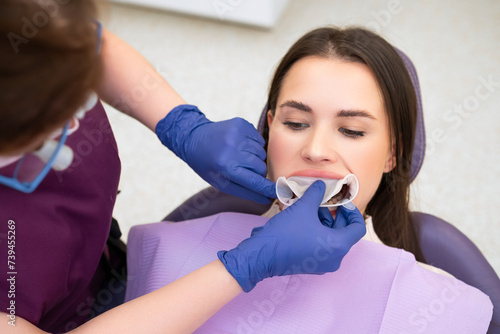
225,70
259,13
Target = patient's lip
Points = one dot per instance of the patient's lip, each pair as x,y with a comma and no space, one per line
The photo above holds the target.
317,173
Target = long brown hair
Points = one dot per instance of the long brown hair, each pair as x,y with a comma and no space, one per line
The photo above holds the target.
389,207
48,66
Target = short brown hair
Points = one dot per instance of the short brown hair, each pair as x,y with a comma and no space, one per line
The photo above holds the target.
48,64
389,207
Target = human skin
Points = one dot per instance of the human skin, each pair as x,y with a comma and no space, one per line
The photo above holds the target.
330,121
159,96
187,303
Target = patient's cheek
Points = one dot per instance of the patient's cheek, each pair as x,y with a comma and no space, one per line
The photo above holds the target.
278,154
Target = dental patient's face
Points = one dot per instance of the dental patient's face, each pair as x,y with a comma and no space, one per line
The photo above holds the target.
330,121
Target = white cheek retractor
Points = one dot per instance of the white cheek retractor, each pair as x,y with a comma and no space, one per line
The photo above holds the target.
337,192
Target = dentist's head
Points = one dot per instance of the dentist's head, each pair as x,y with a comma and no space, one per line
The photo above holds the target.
49,66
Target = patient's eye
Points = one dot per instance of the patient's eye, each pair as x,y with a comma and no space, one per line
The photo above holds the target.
296,126
351,133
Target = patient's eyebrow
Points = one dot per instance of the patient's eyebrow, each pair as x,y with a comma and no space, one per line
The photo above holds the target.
296,105
355,113
343,113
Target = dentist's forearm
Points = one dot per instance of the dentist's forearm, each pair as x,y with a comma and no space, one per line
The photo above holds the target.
132,85
180,307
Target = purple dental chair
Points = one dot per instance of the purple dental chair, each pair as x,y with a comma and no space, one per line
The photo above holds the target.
443,245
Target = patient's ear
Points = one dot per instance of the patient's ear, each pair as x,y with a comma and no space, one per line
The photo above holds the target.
269,118
391,161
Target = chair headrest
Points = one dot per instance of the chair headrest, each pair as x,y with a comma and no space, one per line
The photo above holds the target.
419,145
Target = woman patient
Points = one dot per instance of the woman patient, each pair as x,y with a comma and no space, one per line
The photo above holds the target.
341,102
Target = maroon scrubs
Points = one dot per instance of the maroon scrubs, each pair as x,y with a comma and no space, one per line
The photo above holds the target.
60,232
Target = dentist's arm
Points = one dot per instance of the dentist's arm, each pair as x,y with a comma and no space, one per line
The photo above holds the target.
132,85
180,307
276,249
229,155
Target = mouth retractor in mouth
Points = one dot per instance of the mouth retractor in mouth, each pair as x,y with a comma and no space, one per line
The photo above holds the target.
337,192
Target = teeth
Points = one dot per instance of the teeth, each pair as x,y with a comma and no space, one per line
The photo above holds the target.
338,192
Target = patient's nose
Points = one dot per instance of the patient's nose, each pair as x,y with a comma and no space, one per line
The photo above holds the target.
319,148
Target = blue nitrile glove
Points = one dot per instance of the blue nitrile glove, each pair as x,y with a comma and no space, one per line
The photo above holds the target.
228,154
299,240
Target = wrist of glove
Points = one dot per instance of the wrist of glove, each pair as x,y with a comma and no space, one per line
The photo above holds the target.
174,128
303,239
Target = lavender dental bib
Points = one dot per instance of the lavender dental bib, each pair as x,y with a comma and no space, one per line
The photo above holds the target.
378,289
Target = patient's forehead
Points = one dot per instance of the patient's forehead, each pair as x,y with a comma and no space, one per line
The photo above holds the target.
333,84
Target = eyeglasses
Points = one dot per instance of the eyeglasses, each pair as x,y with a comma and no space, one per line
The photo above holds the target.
32,168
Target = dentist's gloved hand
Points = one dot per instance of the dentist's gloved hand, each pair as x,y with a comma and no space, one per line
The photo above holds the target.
299,240
228,154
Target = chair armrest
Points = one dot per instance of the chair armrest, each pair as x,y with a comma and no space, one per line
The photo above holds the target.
211,201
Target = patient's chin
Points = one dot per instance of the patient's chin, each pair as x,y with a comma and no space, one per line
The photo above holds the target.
333,212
